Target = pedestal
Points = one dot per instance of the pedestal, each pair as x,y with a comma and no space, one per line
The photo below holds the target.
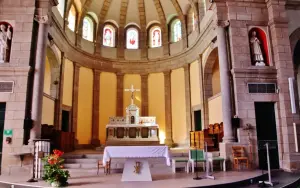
129,170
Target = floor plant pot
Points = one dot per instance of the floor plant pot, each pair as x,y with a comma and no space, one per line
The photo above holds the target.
55,184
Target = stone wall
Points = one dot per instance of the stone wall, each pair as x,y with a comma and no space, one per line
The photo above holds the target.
20,15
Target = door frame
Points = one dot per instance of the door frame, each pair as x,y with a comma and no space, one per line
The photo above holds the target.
69,109
196,108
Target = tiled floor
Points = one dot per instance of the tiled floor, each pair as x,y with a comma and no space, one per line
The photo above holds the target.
162,177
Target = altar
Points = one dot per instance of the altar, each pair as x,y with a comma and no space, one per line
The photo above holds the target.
132,129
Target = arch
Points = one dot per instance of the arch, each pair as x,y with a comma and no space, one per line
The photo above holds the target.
154,36
210,61
175,30
55,71
72,15
132,37
262,36
109,35
294,38
88,28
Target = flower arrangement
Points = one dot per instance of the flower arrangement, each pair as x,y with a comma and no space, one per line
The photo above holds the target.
53,169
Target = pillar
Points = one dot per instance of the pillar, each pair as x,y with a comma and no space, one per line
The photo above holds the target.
39,73
75,100
120,89
225,85
187,86
144,92
168,108
204,102
96,108
58,102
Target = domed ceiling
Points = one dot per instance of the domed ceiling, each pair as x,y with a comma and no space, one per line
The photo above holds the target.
111,10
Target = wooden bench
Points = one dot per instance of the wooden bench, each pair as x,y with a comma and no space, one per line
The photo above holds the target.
179,160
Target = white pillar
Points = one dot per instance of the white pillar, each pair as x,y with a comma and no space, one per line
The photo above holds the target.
225,86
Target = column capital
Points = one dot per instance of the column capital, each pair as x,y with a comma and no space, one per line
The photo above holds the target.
144,75
41,19
167,72
223,23
120,74
77,65
96,71
186,67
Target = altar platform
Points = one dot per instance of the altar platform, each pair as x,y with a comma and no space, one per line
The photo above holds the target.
162,177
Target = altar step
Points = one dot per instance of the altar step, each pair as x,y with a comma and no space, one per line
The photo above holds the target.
77,162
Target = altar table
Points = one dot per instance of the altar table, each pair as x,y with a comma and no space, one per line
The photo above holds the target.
135,154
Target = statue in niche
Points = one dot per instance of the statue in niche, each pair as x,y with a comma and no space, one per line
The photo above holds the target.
132,120
256,51
5,37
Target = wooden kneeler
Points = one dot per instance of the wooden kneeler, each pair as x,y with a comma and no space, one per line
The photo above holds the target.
106,167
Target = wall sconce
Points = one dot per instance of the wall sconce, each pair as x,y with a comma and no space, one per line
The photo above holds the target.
8,140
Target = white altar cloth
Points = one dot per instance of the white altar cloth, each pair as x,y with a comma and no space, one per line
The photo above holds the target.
136,152
131,125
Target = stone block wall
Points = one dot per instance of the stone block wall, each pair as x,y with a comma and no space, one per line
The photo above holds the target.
20,14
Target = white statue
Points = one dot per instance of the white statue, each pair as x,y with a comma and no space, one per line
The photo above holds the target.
256,51
4,45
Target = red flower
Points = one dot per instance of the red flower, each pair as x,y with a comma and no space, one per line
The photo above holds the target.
58,153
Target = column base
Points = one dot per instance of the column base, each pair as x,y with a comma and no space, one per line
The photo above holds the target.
95,142
229,139
169,142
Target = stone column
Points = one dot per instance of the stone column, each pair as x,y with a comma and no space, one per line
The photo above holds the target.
58,102
144,92
96,94
204,102
168,108
188,102
75,100
39,73
120,90
225,85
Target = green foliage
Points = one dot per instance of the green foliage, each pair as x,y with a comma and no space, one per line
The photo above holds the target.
53,169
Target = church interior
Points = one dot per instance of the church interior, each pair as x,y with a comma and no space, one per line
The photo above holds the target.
102,80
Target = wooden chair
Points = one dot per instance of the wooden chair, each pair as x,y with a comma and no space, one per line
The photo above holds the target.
106,167
239,157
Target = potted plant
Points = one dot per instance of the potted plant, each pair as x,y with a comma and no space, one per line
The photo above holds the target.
53,169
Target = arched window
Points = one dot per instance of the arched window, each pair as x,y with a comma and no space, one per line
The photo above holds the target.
72,18
176,30
61,7
109,36
132,38
155,37
88,29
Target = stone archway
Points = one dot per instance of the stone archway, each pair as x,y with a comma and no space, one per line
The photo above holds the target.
55,72
209,63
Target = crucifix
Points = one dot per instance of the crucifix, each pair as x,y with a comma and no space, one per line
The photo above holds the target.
132,90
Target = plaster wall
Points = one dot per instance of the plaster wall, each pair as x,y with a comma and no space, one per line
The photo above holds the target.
176,47
68,83
195,84
48,111
85,105
87,46
215,109
132,54
178,106
157,102
109,52
108,100
293,16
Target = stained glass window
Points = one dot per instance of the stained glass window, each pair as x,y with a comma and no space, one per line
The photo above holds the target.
132,38
177,31
72,18
61,7
88,29
109,36
155,37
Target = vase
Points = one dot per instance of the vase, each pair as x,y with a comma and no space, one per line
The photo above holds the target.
55,184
